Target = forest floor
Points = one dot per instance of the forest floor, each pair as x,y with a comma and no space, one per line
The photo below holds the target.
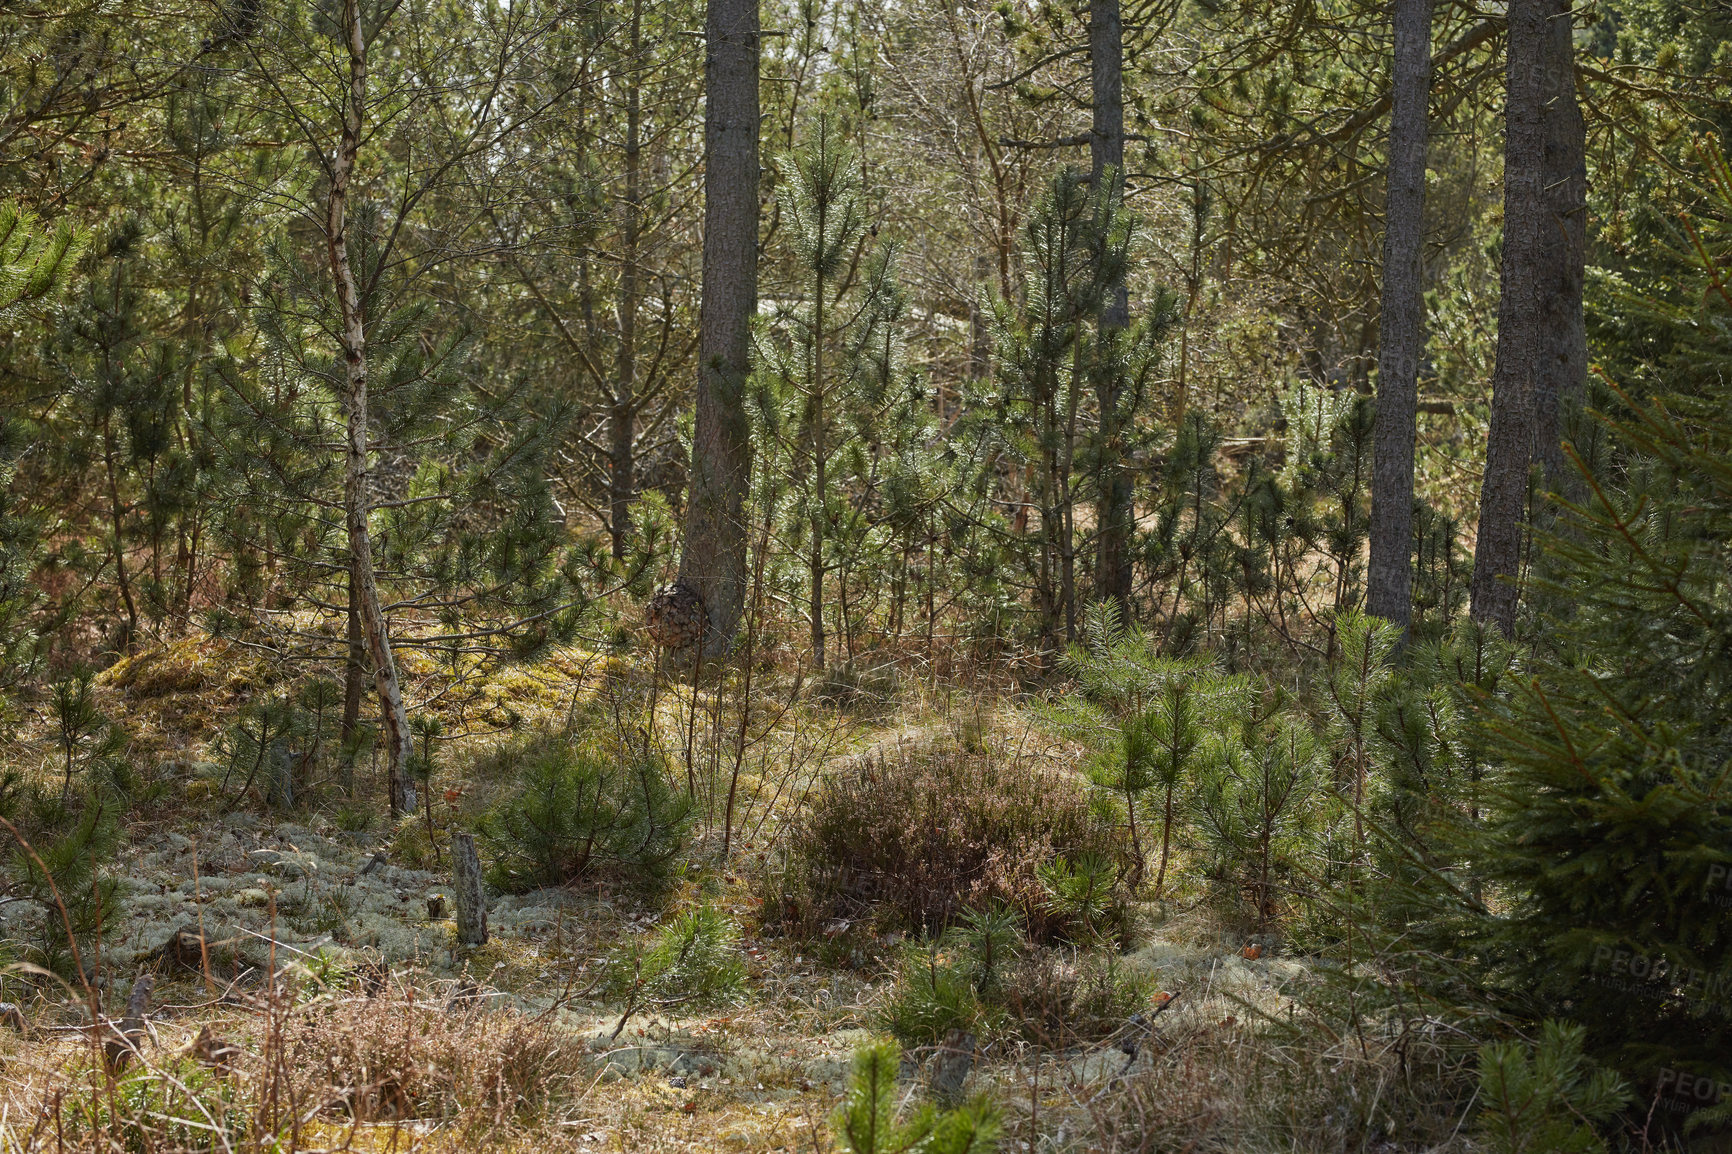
372,990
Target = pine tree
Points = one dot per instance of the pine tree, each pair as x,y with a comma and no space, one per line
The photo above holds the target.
120,425
868,1120
840,407
828,223
36,266
35,263
1401,323
1257,803
367,467
1075,246
1159,710
713,555
1188,547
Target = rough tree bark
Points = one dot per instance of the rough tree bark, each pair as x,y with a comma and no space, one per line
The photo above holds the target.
1115,510
622,418
1389,586
356,489
354,662
820,455
1503,492
1563,361
713,560
471,896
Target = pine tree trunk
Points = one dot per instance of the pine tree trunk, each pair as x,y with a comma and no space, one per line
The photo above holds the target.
1107,133
1503,492
1115,511
1563,361
979,330
622,471
117,514
357,498
1389,584
820,462
713,561
354,664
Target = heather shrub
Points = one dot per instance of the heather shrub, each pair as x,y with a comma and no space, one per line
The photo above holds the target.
922,835
1061,998
1230,1088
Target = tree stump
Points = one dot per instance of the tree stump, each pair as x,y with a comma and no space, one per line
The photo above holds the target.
186,947
280,784
128,1037
471,899
951,1065
675,617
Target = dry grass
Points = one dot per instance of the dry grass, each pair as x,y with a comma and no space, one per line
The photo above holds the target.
1223,1087
403,1065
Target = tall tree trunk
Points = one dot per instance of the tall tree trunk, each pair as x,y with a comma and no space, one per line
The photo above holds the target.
820,463
1115,511
117,515
979,328
1503,492
357,498
713,561
622,443
1563,361
1389,584
355,663
1197,216
1107,131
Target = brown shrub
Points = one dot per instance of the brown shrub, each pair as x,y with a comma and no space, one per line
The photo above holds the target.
310,1076
930,831
411,1054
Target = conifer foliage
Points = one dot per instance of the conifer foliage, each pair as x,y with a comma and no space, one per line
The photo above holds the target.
1610,821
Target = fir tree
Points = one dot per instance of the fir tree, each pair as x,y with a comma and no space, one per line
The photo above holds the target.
1609,840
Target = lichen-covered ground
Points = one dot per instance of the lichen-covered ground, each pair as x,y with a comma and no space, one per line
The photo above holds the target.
762,1074
320,945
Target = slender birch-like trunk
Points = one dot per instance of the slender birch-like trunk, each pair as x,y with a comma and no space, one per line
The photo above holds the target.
357,497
